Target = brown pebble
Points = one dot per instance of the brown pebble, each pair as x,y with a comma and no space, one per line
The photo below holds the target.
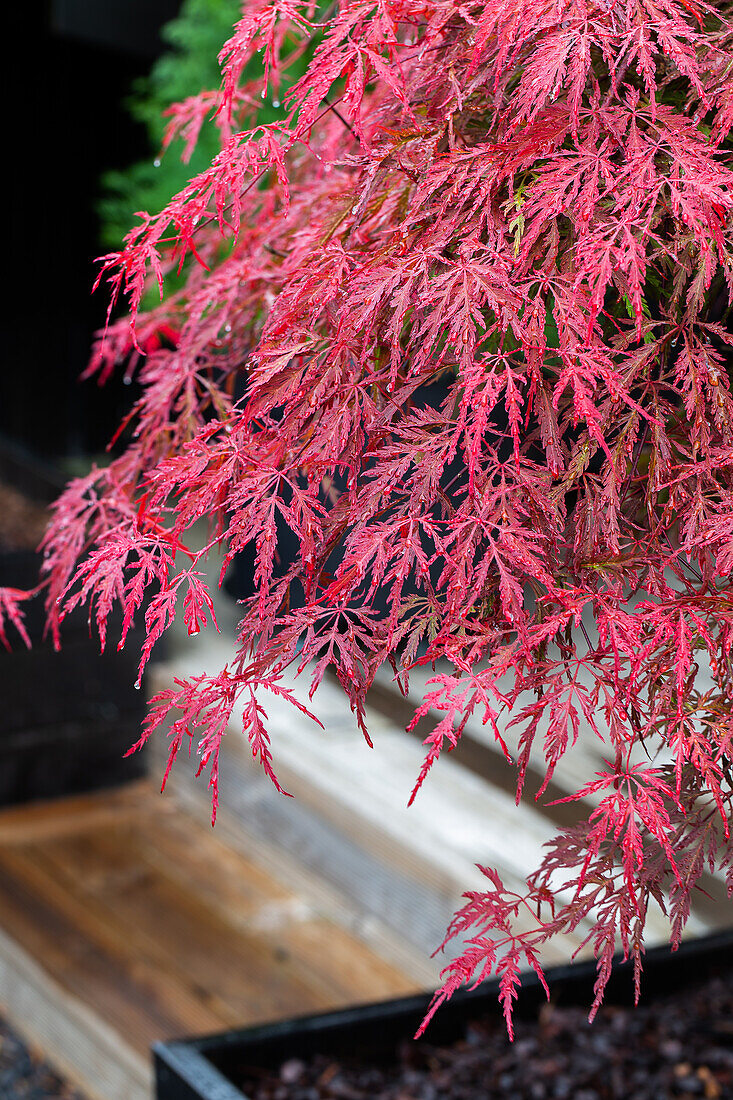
292,1070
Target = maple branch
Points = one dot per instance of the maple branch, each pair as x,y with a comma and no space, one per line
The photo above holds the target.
338,114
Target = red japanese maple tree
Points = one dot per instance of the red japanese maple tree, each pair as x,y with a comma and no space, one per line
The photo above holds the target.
528,201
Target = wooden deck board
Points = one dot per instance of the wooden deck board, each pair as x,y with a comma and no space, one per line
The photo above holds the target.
140,915
350,812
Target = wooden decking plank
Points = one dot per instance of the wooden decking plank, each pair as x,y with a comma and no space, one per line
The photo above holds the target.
155,928
479,748
131,911
457,821
83,1046
336,875
254,902
36,821
90,961
255,968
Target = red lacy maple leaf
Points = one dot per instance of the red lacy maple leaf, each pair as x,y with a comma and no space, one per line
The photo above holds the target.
459,321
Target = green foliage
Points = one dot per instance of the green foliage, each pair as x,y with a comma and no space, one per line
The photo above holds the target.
188,65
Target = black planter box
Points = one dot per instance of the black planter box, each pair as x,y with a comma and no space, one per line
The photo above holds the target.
199,1069
68,717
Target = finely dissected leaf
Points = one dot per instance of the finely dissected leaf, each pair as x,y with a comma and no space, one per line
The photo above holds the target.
11,611
459,322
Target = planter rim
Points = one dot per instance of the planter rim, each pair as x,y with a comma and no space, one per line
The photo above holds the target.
188,1061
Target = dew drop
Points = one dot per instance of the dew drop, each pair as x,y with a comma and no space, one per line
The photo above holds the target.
276,103
156,162
262,94
126,380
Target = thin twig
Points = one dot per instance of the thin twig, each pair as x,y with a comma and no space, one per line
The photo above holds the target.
338,114
585,635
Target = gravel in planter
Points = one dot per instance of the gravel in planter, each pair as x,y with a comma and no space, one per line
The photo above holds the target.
25,1076
680,1046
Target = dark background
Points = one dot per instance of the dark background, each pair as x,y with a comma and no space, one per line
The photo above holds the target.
69,64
